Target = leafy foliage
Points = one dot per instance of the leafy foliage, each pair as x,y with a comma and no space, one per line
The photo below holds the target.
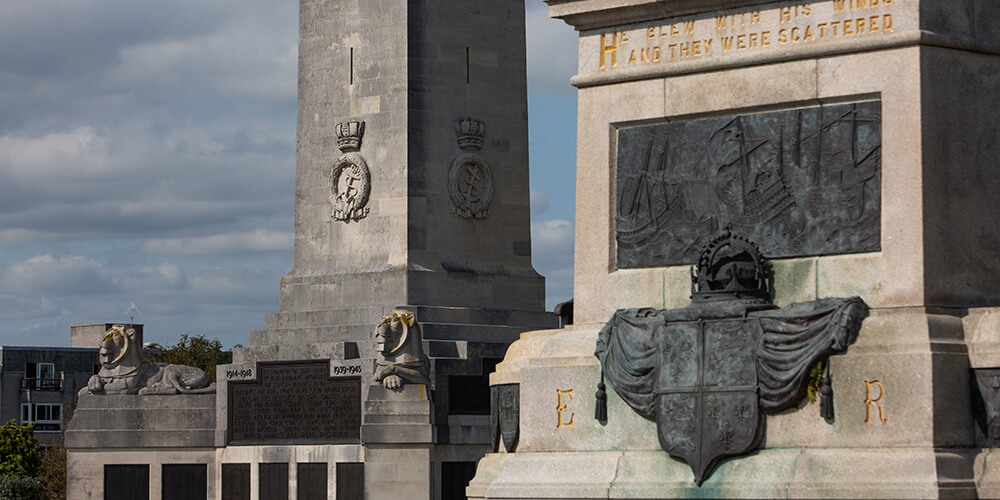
18,450
21,488
815,379
52,471
197,351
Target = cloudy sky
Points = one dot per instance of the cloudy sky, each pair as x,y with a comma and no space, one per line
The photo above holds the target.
147,155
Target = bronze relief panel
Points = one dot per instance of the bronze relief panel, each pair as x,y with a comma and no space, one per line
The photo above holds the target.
799,182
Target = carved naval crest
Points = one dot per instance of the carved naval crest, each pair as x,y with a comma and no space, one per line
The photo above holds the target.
705,372
350,179
470,179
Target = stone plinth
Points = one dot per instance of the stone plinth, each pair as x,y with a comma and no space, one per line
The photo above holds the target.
398,435
147,431
130,421
903,423
405,416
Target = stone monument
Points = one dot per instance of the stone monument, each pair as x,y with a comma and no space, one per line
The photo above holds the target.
852,141
412,232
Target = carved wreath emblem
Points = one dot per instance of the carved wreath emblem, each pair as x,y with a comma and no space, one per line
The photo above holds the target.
470,184
350,179
350,187
470,179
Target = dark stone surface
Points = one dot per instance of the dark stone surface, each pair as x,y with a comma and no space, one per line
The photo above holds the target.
126,482
311,479
273,481
469,394
986,403
799,182
295,402
235,481
350,481
184,482
455,476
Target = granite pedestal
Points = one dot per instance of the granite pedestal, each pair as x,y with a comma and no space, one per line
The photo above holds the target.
904,422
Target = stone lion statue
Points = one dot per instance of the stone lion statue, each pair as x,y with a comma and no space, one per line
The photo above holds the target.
125,371
400,343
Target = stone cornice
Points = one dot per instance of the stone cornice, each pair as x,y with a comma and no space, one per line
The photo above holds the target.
593,14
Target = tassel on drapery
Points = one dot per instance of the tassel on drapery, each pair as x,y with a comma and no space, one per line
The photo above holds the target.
826,395
601,408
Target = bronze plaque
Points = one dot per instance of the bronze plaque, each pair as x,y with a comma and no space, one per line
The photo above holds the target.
296,403
799,182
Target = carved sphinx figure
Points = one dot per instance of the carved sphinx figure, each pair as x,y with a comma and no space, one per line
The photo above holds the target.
400,343
125,371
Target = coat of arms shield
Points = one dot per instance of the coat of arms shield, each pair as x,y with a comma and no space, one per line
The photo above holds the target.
706,372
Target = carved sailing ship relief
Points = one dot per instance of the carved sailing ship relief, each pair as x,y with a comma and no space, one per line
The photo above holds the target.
804,181
706,372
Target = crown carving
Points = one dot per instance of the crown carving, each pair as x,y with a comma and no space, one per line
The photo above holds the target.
731,267
349,135
470,132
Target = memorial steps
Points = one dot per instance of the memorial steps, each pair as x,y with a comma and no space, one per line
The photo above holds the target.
425,315
447,332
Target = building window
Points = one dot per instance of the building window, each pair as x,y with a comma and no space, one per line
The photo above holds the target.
46,416
41,377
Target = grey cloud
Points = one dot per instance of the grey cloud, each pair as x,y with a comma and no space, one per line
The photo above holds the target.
219,244
552,50
84,182
220,302
164,276
551,244
539,202
56,275
20,307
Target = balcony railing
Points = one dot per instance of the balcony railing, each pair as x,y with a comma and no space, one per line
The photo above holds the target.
41,384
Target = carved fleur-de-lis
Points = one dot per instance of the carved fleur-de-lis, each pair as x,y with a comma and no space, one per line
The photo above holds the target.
726,439
742,413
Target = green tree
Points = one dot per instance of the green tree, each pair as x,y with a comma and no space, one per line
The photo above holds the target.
197,351
18,450
52,470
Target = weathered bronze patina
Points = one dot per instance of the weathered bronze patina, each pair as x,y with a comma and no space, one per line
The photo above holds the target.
805,181
705,372
295,402
504,413
987,403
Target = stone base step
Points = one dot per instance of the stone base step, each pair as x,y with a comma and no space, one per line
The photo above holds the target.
425,314
365,333
438,351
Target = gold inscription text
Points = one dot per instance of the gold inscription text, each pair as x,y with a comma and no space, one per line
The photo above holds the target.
560,408
798,24
869,401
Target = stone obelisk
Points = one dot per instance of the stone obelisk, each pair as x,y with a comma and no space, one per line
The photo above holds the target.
412,173
411,193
